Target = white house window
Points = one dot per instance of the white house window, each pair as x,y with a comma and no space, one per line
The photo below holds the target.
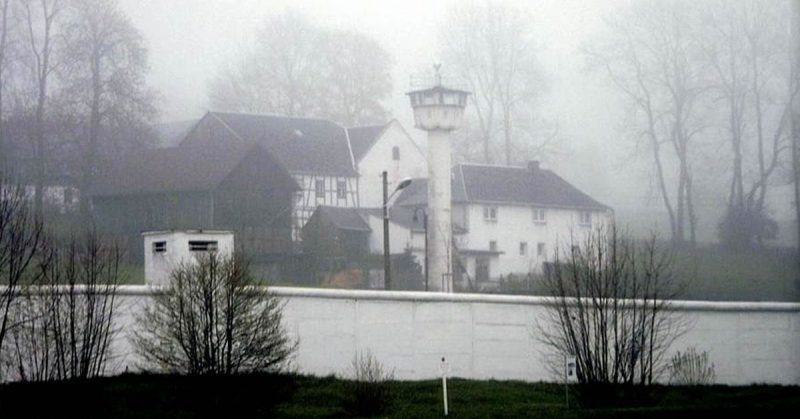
395,153
539,216
160,247
490,213
523,248
319,188
540,249
493,246
202,245
585,218
341,189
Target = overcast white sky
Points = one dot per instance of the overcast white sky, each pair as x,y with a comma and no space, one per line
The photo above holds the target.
189,40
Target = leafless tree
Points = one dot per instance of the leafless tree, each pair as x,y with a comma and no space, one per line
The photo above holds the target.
295,68
5,20
492,47
610,308
20,241
794,104
103,83
40,34
66,321
746,53
213,319
650,54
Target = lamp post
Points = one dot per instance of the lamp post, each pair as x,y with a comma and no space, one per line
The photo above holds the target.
387,267
425,228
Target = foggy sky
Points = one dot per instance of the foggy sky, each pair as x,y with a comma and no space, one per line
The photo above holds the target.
190,40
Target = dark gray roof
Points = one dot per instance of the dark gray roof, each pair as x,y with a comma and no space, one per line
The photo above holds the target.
171,169
301,144
505,185
343,218
362,139
404,216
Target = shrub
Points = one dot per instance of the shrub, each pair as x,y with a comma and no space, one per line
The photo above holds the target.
691,368
610,308
213,319
369,393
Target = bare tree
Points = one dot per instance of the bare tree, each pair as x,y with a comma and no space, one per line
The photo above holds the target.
610,308
492,47
213,319
745,51
40,27
105,63
650,55
5,20
67,319
20,240
295,68
794,104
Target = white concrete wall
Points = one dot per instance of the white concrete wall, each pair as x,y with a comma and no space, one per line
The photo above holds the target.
515,224
412,164
492,336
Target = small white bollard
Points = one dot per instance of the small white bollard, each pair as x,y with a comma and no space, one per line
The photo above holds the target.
570,374
444,368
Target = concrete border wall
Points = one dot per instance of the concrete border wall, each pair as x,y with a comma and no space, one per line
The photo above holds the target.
494,336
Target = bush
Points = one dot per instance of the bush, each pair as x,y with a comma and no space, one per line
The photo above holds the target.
213,319
369,391
610,308
691,368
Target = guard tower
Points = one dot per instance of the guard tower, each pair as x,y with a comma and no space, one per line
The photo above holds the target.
439,110
166,250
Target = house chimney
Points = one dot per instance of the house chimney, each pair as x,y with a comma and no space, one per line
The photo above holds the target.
533,165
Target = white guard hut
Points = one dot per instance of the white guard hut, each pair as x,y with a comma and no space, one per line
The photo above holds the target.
165,250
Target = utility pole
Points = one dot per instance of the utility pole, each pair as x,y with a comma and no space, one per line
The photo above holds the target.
387,279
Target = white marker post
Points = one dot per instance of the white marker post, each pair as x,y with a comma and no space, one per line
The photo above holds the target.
444,368
570,374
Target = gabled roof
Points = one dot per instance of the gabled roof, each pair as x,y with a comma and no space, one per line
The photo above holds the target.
343,218
362,139
176,169
475,183
404,217
303,145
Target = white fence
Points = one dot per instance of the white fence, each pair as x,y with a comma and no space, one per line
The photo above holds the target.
492,336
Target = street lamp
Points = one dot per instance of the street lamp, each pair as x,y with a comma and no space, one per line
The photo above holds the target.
387,279
424,227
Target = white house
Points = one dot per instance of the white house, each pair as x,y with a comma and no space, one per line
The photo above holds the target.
333,165
166,250
513,217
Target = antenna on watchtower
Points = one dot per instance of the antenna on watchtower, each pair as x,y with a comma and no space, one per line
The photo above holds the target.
438,76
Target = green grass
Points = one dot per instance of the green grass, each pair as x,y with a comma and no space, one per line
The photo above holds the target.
768,275
159,396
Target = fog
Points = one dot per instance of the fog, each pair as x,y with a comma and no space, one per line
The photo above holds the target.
673,115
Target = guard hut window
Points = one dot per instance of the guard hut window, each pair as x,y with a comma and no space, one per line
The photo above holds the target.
202,245
160,247
341,189
395,153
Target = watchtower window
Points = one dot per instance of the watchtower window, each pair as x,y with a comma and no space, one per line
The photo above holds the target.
160,247
395,153
202,245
